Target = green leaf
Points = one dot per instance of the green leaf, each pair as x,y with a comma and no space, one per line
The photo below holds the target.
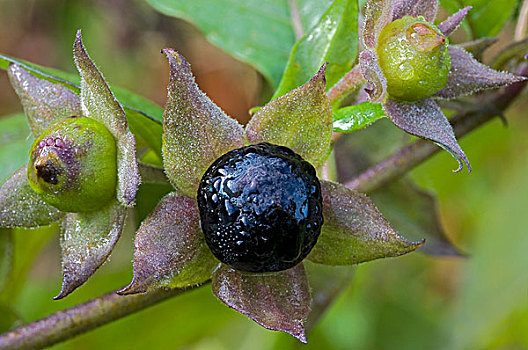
20,206
486,18
170,249
300,120
278,301
86,241
15,142
144,117
354,230
352,118
333,39
195,130
259,33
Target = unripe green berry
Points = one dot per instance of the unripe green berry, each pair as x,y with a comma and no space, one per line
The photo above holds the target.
414,58
73,165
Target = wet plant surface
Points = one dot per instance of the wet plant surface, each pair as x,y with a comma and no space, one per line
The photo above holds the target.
256,210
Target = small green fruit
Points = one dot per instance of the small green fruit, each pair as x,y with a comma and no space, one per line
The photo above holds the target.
73,165
414,58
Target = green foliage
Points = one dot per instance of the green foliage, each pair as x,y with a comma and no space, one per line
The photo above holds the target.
15,142
486,18
27,243
6,256
256,32
416,301
356,117
333,40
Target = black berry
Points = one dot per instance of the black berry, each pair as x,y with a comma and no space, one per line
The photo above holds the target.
260,208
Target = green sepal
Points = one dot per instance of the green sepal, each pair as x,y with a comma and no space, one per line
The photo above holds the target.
300,120
98,102
354,230
195,131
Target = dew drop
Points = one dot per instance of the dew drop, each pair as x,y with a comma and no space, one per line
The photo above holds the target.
406,70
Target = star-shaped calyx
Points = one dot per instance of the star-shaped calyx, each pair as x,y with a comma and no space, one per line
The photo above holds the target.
82,172
170,246
409,64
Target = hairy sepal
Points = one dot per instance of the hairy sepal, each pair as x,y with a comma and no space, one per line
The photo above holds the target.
354,230
195,130
468,76
300,120
425,119
170,250
277,301
44,102
87,239
20,206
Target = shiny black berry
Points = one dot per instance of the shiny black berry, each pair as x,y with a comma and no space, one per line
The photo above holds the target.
260,208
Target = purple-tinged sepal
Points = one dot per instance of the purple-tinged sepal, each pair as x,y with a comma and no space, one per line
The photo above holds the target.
170,250
195,130
468,76
425,119
86,241
278,301
44,102
377,87
20,206
451,24
415,8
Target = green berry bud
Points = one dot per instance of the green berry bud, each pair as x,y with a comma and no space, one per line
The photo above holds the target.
73,165
414,58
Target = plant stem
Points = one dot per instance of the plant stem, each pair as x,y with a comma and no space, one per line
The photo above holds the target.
410,156
82,318
104,309
346,86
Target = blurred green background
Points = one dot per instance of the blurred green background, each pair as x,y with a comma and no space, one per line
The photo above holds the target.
411,302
